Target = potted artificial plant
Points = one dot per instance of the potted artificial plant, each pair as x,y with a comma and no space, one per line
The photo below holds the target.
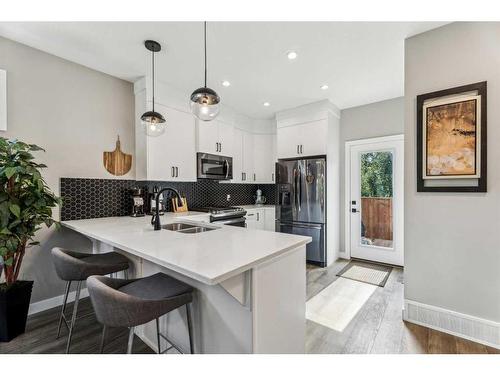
25,205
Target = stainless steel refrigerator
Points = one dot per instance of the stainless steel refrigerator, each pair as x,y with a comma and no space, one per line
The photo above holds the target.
301,206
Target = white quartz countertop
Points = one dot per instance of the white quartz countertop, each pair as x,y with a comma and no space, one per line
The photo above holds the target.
209,257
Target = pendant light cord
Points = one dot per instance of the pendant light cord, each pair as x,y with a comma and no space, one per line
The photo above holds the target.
205,38
153,66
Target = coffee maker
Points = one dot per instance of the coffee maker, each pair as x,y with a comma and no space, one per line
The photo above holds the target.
137,202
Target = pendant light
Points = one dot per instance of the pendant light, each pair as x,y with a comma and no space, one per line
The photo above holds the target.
205,101
154,122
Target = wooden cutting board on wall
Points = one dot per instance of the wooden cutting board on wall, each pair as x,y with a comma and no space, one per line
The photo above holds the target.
117,162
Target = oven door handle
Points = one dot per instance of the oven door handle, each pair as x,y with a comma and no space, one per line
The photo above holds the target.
230,221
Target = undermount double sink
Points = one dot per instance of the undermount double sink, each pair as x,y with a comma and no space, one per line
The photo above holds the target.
187,228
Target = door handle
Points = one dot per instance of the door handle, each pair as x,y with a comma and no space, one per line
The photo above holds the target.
226,164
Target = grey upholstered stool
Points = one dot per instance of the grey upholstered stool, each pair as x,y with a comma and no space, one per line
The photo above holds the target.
130,303
73,266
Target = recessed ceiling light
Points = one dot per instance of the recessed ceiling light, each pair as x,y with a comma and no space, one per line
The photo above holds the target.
292,55
324,87
226,83
266,104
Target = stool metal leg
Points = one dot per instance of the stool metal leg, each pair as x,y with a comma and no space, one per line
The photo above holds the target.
63,308
130,340
190,327
158,335
75,311
101,348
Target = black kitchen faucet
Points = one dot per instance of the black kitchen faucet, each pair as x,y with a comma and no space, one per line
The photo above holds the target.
155,220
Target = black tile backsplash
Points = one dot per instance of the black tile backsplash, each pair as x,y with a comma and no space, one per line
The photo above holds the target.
85,198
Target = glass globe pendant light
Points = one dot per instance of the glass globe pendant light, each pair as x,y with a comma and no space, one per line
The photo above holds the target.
153,122
205,101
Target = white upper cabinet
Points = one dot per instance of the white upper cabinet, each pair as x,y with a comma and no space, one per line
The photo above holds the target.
264,157
225,138
237,155
214,137
208,136
172,155
306,139
248,153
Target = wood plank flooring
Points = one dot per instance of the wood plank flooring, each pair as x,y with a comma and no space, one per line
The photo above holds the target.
378,327
41,330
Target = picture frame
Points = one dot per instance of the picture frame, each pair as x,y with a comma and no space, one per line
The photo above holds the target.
452,139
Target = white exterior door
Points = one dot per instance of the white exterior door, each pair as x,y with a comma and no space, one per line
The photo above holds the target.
375,199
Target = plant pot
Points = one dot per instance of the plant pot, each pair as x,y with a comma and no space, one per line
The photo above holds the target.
14,306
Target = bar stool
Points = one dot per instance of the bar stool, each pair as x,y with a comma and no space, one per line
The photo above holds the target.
73,266
130,303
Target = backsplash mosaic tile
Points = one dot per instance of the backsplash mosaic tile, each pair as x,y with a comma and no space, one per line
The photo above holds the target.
86,198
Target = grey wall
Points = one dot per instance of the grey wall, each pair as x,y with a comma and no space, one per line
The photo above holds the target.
75,113
367,121
452,250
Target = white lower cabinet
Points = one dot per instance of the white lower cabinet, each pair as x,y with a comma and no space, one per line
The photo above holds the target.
260,218
270,219
255,219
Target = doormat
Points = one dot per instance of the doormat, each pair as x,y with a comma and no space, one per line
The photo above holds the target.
370,273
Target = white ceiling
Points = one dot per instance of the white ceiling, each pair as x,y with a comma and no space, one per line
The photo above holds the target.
361,62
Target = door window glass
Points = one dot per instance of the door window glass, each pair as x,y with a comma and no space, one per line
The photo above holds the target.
376,198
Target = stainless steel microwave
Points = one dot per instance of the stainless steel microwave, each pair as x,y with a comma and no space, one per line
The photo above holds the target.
214,167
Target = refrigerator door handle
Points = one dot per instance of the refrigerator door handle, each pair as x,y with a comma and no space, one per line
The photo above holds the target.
302,225
300,189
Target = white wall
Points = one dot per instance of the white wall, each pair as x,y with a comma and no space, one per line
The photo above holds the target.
452,242
368,121
75,113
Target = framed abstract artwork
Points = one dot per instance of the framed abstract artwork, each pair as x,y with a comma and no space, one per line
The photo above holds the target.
451,140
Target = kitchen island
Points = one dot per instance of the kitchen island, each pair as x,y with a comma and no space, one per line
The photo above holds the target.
250,284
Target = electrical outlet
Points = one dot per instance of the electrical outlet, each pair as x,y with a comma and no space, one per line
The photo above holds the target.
228,197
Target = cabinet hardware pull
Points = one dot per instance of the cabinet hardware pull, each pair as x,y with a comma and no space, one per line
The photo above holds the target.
172,172
254,176
258,217
301,149
298,148
220,147
272,176
176,171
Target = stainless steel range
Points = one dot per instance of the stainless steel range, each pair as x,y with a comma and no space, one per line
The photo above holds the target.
234,216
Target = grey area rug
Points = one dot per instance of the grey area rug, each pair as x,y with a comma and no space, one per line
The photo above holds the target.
366,272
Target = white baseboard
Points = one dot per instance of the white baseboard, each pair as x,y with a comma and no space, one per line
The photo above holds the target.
469,327
49,303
